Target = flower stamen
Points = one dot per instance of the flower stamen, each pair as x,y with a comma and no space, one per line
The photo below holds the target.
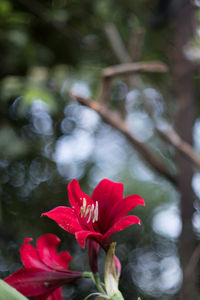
95,216
82,210
87,210
91,211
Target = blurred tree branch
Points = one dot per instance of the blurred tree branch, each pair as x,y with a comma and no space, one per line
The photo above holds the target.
116,43
126,69
119,49
166,132
180,145
136,43
130,68
114,119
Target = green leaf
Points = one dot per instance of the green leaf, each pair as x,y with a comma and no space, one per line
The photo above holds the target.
8,292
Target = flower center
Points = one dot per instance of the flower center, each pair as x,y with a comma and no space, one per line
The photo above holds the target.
89,211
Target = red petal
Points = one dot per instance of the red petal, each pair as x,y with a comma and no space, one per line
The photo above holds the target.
35,282
65,217
29,282
123,207
122,224
47,249
76,196
118,266
107,193
43,297
55,295
81,236
30,257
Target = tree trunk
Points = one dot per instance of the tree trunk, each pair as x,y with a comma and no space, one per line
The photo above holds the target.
184,97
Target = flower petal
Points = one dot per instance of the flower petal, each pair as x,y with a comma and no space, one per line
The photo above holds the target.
76,196
47,249
30,257
122,224
55,295
123,207
65,217
81,236
107,193
43,297
30,282
118,266
35,282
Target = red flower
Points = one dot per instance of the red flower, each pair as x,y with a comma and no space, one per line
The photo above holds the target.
97,217
44,270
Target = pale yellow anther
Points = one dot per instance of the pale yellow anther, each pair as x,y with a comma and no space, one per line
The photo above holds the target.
82,211
84,203
95,217
91,213
83,207
87,210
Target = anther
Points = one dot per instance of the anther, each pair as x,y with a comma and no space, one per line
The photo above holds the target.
83,207
91,213
84,203
95,216
87,210
82,211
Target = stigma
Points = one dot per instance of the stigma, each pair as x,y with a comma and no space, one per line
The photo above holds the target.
89,211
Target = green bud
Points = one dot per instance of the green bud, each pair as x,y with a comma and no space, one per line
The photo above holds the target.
110,277
117,296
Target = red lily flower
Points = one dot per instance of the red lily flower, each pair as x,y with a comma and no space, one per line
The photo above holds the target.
97,217
44,270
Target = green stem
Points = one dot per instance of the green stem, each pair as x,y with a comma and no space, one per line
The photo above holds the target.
98,283
117,296
88,275
96,279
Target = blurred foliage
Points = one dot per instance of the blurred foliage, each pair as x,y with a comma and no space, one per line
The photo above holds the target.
52,47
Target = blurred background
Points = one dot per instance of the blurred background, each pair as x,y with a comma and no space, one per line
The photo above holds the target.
52,48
